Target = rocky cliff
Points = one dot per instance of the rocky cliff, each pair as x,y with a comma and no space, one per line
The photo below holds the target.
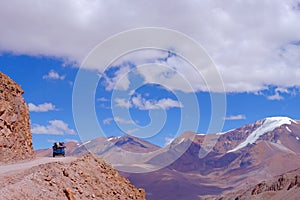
15,135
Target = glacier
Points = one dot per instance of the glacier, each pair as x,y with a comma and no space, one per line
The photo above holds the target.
268,125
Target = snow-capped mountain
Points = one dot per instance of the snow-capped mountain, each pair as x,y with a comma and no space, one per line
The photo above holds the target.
237,159
269,124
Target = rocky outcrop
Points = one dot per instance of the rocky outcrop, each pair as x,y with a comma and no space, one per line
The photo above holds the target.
285,181
88,177
285,186
15,135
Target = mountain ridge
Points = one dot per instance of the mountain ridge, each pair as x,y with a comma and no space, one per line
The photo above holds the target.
207,167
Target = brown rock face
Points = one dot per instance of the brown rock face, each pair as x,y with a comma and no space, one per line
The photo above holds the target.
15,135
285,186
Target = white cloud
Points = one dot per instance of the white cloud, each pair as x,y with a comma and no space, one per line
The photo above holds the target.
122,103
175,74
132,130
165,103
155,67
120,120
104,106
102,99
119,80
242,36
235,117
131,92
54,75
104,102
45,107
144,104
278,94
55,127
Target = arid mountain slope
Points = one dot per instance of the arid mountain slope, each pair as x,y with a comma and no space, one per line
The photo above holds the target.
88,177
285,186
239,158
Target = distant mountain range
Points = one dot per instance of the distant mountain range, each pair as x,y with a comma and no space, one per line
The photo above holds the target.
203,166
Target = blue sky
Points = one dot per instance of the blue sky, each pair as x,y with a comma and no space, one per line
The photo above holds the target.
259,67
31,73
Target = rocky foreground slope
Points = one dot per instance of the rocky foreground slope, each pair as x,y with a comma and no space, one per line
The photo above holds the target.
15,135
89,177
285,186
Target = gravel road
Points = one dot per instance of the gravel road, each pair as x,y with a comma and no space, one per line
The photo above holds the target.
23,165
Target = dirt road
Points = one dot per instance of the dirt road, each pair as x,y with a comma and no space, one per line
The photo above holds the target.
23,165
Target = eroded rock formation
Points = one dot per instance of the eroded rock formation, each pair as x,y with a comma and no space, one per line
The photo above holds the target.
15,135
